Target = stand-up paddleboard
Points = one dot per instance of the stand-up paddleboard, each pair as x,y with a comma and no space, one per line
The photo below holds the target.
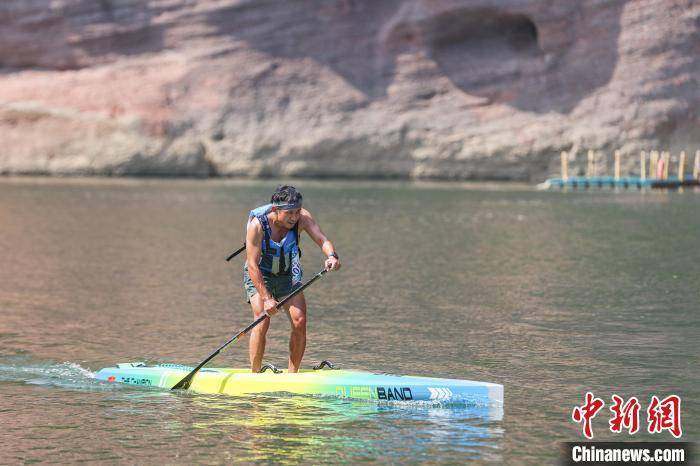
326,382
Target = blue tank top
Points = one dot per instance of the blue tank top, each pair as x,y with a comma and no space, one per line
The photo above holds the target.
281,258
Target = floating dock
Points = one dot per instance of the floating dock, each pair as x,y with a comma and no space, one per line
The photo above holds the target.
632,182
658,167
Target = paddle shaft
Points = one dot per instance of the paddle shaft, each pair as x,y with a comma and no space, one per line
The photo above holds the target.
187,381
235,253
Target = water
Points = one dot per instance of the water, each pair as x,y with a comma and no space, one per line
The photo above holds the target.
549,294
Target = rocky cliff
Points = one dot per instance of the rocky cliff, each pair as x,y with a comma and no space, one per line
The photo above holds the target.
452,89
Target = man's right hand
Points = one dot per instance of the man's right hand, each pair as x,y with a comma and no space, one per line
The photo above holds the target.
270,306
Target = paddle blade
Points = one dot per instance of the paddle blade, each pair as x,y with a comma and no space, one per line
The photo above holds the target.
185,383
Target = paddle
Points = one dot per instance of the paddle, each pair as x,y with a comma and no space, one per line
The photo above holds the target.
235,253
187,381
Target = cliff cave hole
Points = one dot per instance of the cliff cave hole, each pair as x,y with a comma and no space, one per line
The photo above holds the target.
483,28
481,47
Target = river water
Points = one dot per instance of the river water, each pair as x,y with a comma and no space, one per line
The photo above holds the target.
550,294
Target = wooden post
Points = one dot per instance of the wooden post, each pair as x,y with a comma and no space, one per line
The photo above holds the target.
667,162
661,166
589,169
681,166
696,166
643,165
617,165
653,161
564,166
596,162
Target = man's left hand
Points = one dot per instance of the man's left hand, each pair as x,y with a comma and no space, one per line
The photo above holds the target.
332,263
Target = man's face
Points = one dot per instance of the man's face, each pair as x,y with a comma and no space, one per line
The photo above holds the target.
288,218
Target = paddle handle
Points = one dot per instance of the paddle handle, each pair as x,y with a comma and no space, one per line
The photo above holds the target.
235,253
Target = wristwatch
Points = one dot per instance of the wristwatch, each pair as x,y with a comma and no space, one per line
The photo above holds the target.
333,254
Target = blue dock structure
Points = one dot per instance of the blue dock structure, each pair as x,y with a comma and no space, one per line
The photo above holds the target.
628,182
658,176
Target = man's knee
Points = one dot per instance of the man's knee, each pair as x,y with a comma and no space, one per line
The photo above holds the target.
299,322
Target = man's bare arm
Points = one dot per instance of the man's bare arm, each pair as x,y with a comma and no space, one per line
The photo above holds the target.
308,224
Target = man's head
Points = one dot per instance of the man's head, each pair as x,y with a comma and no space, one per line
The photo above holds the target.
286,202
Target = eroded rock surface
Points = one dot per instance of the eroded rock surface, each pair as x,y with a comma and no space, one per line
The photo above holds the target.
452,89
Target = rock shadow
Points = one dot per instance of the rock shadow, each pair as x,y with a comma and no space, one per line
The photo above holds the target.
340,34
73,35
127,28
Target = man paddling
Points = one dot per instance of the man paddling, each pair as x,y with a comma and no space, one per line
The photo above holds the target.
273,268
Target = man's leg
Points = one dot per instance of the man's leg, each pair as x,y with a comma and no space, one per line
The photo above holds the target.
296,309
257,335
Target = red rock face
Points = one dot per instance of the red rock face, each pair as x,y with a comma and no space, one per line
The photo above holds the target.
455,89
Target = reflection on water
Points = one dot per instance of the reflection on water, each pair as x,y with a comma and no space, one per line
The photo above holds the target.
295,428
549,294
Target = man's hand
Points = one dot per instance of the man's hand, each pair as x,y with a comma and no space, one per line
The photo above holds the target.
270,306
332,263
